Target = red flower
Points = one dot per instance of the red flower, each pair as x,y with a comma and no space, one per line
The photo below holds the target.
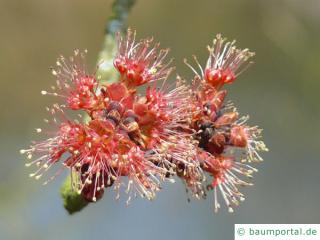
138,137
74,83
221,134
140,62
225,63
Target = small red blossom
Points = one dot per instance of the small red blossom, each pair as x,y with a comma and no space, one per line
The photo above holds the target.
74,83
140,62
225,63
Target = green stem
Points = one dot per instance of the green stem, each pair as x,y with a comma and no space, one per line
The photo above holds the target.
74,202
116,23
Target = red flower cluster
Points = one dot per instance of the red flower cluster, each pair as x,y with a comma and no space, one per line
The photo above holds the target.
226,142
187,131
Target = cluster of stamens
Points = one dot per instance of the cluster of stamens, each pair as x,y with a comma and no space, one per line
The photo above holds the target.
226,142
185,131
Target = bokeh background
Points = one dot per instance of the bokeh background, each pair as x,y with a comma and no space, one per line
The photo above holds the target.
280,92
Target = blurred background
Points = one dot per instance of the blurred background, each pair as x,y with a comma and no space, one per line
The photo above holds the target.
280,92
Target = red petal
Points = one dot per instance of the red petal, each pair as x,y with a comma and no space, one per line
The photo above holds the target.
117,91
